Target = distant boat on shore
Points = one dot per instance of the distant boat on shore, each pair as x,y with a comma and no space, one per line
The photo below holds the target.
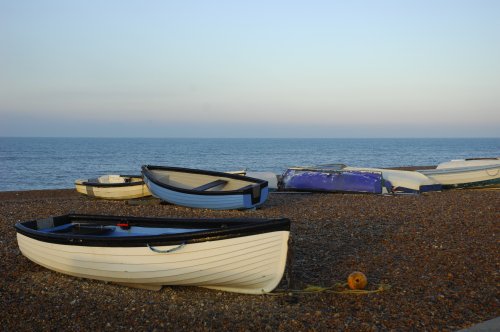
472,173
342,178
332,179
401,181
236,255
205,189
118,187
470,162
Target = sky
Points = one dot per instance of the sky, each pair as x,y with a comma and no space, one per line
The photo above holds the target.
423,68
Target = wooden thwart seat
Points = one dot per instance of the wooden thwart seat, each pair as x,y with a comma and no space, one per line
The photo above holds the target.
210,185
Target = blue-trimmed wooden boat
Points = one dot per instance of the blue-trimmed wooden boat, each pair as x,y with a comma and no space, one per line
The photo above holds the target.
236,255
205,189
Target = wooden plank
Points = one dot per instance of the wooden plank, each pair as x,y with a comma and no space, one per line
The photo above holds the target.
210,185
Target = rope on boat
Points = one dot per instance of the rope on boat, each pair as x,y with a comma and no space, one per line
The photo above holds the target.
166,251
488,172
339,288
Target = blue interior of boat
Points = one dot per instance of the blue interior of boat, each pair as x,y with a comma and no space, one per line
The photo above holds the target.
116,231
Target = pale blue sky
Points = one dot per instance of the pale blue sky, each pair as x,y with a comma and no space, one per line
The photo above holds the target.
250,68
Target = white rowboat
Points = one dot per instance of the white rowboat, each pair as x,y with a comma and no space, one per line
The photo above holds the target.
466,177
236,255
472,162
116,187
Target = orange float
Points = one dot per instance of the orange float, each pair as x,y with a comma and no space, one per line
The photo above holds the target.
357,280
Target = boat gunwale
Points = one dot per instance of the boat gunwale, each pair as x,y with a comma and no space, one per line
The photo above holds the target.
479,158
452,170
235,227
113,185
146,171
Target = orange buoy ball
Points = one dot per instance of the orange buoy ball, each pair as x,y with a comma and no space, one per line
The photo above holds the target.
357,280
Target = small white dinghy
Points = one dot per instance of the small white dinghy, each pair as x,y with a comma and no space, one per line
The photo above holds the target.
113,187
236,255
470,162
467,173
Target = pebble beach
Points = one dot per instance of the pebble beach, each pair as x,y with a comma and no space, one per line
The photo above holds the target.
431,261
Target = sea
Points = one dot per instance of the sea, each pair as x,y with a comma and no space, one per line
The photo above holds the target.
55,163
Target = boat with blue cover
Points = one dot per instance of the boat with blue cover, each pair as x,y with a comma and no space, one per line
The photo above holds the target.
205,189
347,179
237,255
332,178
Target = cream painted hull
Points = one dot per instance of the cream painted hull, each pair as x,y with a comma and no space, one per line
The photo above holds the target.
480,176
468,163
125,192
250,264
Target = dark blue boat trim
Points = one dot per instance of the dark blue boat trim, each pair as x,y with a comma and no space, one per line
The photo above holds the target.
478,184
211,230
430,187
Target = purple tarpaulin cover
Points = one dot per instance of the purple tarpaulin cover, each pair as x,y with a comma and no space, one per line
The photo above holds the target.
333,180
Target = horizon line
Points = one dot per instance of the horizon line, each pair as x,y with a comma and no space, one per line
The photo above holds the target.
205,137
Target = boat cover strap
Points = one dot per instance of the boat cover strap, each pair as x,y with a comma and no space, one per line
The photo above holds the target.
210,185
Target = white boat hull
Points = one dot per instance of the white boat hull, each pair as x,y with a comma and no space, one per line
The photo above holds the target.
469,163
251,264
401,179
113,187
461,177
118,193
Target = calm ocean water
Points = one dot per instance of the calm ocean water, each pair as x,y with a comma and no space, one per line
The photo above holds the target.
47,163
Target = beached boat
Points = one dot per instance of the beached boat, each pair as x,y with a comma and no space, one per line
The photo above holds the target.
342,178
470,162
113,187
401,181
332,179
205,189
466,177
235,255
